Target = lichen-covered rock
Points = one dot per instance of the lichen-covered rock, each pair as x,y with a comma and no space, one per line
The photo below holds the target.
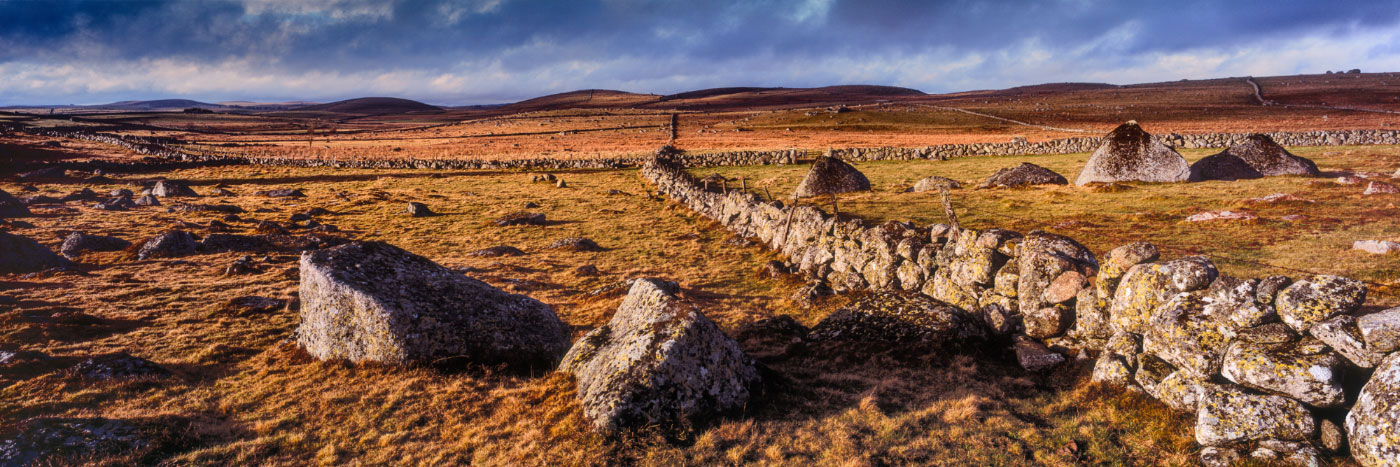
174,243
1219,457
899,319
1371,424
1025,174
1147,286
1342,334
1130,154
1181,391
1045,257
19,254
1381,330
830,175
77,242
658,362
1047,322
1228,415
1304,370
1034,356
1318,298
371,301
1235,305
1186,338
1151,371
1269,159
1112,370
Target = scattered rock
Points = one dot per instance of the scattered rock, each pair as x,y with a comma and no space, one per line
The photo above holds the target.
221,242
659,362
1379,187
147,200
1376,247
118,366
1026,174
521,218
281,193
1278,198
417,209
900,319
220,191
934,183
495,251
1222,216
19,254
77,242
561,184
1130,154
371,301
242,266
171,244
830,175
575,244
169,188
270,228
116,204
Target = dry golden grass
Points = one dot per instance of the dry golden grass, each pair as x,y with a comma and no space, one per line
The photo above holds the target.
244,395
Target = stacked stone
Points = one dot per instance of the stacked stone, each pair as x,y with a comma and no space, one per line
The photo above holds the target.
1263,363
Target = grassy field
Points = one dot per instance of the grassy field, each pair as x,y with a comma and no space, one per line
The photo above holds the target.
242,394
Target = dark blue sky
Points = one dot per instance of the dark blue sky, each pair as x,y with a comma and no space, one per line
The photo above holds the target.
488,51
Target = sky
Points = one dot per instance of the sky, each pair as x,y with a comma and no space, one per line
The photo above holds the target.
459,52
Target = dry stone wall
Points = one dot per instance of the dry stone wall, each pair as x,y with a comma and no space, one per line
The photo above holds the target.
1268,365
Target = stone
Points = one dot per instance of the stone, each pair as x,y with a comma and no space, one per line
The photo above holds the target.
1371,427
1117,263
19,254
174,243
1183,336
116,204
1025,174
77,243
1111,370
1035,356
1269,159
1376,187
1229,415
416,209
1278,198
270,228
147,200
250,304
521,218
1222,166
497,251
371,301
1318,298
1272,333
1381,330
1376,247
586,270
1182,391
172,188
1151,371
902,319
1342,334
934,183
119,366
1064,287
1234,303
1130,154
1219,457
1147,286
1044,258
830,175
281,193
1331,436
1047,322
48,441
575,244
1312,378
659,362
1221,216
12,207
561,184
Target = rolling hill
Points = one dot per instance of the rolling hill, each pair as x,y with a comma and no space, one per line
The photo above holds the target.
372,106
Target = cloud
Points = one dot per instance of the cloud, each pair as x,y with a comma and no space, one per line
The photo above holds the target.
478,51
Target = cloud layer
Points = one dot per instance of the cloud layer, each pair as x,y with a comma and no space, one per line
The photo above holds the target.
484,51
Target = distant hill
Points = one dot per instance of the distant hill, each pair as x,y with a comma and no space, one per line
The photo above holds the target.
587,98
371,106
703,93
160,104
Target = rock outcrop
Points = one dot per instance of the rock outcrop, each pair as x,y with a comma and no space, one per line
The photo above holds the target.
1129,154
371,301
658,362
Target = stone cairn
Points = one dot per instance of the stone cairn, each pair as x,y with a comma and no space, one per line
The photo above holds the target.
1271,366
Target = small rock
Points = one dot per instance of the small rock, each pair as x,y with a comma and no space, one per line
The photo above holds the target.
281,193
1222,216
1378,187
417,209
495,251
46,441
586,270
171,244
1219,457
147,200
561,184
77,242
118,366
521,218
1318,298
575,244
170,188
1034,356
1376,247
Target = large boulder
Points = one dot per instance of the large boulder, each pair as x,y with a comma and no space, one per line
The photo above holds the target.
1229,415
11,206
1182,335
1147,286
1371,424
1026,174
19,254
174,243
1342,334
906,320
1269,159
1130,154
1223,166
168,188
830,175
1318,298
371,301
77,242
658,362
